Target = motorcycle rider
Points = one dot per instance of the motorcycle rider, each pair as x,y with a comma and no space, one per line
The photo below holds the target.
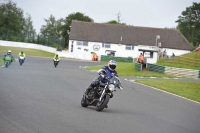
9,53
22,54
56,56
105,73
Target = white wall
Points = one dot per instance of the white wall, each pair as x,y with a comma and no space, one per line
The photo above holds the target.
120,51
86,55
27,45
175,51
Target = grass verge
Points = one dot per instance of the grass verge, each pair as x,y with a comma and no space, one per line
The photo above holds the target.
128,69
190,90
1,62
187,61
27,51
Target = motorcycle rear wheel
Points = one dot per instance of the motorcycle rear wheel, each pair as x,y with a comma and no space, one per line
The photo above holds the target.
83,101
101,104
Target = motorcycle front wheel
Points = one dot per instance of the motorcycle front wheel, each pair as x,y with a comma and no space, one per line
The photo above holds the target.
101,104
20,62
6,64
55,64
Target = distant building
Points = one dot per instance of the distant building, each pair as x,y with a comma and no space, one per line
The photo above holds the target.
124,41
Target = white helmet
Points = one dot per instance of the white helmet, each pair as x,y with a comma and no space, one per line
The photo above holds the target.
9,52
112,65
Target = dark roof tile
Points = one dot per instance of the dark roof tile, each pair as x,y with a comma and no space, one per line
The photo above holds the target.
133,35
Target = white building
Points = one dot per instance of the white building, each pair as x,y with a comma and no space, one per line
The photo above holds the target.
124,41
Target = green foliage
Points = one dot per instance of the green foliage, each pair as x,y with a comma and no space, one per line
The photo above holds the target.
112,22
68,20
12,19
51,27
13,25
57,31
29,32
189,23
51,33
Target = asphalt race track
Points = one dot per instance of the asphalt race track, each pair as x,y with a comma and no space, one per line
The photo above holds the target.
39,98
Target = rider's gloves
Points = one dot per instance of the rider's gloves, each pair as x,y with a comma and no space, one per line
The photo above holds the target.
102,75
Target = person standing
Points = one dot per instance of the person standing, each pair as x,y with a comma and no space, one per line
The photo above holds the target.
141,58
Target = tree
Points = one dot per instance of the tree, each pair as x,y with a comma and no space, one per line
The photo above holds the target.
29,31
189,23
118,21
68,20
119,18
52,32
51,26
11,22
112,22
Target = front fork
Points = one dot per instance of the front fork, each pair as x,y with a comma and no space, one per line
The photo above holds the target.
103,94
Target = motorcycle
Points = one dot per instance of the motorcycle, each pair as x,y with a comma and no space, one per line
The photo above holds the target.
21,60
100,95
56,60
8,60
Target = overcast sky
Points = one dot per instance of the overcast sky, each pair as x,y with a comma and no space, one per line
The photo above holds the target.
145,13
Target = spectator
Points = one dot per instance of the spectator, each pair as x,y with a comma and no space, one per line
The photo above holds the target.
164,53
173,54
159,53
141,58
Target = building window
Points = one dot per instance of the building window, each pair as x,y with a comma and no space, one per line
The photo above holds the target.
85,43
79,43
129,47
105,45
148,54
82,43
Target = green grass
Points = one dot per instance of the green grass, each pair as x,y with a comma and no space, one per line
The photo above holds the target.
1,62
28,52
193,55
128,69
190,90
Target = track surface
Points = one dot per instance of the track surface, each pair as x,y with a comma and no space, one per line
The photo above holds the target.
39,98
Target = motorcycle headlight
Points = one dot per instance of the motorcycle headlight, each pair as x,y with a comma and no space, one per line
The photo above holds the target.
111,87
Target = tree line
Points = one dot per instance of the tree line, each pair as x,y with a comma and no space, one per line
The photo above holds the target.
14,26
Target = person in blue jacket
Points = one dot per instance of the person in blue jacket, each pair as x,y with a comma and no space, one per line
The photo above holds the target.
105,72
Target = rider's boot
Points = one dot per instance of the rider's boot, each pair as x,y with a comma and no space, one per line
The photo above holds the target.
88,90
106,106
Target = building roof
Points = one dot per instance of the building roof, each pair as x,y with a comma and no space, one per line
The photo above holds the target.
128,35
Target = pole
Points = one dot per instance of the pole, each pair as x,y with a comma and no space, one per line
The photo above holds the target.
156,41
